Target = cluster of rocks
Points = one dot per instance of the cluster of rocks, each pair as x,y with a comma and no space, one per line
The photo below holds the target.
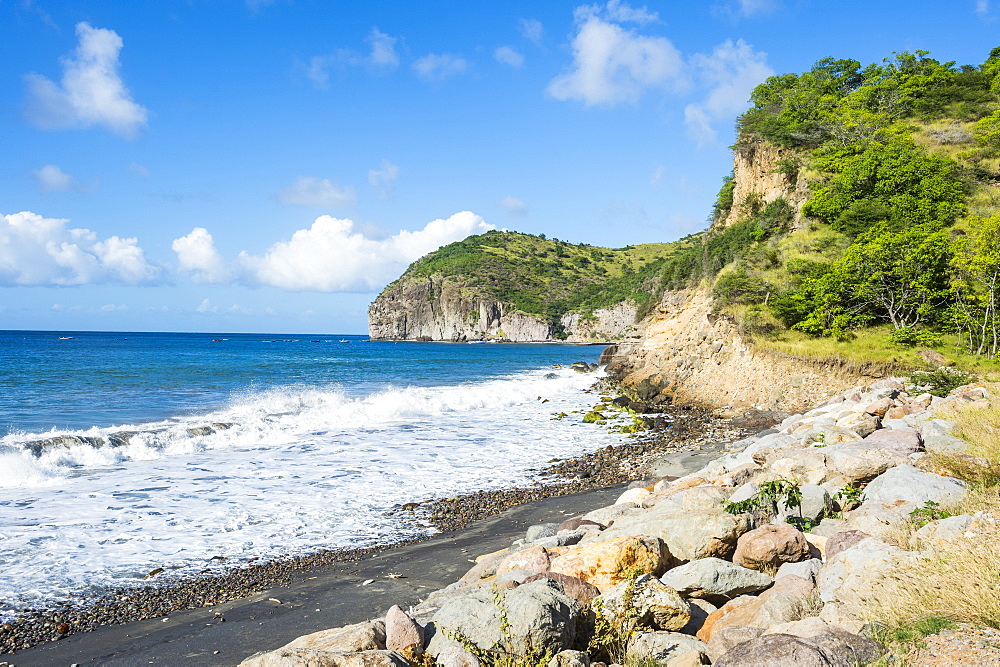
668,576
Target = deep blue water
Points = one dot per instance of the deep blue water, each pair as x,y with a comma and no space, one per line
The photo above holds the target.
80,379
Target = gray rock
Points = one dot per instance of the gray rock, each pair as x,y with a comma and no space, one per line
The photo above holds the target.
578,589
951,528
780,651
862,461
662,646
578,522
570,659
860,572
938,437
456,656
807,569
744,492
843,541
901,441
730,636
816,502
539,614
700,611
647,600
715,579
688,534
855,649
513,579
828,527
562,539
540,531
606,516
913,485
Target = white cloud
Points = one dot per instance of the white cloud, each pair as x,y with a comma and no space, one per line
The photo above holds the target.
514,205
384,177
308,191
732,71
618,12
329,256
91,91
206,307
438,67
383,56
51,178
138,169
196,254
42,251
531,29
982,7
383,49
745,8
656,178
612,64
508,56
114,308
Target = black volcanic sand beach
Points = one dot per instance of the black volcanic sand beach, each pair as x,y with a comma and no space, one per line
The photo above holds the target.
224,616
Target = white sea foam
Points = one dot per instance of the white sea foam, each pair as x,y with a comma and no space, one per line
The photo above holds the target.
297,469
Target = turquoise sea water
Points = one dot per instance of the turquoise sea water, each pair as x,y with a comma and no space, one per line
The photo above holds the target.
122,452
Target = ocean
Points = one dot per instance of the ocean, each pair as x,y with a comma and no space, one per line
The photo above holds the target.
124,452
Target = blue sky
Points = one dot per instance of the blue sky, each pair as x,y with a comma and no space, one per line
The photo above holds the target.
269,166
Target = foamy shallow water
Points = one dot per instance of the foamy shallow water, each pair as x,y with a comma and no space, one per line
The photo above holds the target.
300,469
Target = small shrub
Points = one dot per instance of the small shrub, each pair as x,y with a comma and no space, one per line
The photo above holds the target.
912,337
940,382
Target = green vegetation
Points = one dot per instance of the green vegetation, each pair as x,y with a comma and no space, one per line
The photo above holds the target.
549,277
900,235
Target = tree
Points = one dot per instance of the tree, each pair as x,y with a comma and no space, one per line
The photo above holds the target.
889,276
976,284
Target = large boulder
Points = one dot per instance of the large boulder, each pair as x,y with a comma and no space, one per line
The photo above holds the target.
862,461
578,589
663,648
534,558
780,651
715,579
790,599
402,633
843,541
913,485
688,534
859,574
646,601
539,616
330,646
900,441
607,563
854,648
730,636
939,438
570,659
309,657
767,547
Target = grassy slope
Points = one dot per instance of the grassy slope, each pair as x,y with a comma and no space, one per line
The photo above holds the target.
548,277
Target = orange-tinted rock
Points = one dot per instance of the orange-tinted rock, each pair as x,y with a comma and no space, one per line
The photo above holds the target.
605,564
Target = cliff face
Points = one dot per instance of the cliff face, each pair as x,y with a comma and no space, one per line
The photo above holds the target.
769,171
689,355
436,308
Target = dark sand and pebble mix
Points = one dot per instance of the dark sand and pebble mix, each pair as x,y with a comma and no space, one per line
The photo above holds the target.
674,429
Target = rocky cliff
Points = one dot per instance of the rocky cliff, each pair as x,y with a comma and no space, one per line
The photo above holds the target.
769,172
439,308
688,354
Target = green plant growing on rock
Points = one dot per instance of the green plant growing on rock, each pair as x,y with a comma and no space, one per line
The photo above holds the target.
848,497
764,503
942,381
501,654
609,637
931,511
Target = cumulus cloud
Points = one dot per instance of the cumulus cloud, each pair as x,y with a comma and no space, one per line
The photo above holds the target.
382,56
613,64
514,205
384,177
531,29
51,178
42,251
91,91
383,49
731,72
196,254
330,256
438,67
308,191
982,7
508,56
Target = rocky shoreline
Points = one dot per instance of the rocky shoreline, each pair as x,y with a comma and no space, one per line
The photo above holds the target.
683,429
777,552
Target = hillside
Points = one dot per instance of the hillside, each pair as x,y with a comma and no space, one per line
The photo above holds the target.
508,285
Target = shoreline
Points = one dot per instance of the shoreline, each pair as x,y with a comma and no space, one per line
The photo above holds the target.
601,469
